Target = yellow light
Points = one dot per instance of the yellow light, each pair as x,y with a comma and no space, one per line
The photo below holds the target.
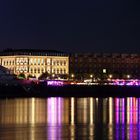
128,76
110,110
104,70
72,111
110,76
91,76
72,75
91,111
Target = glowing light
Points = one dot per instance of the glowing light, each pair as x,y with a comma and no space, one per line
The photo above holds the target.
117,110
91,76
72,111
104,70
110,76
91,111
110,110
52,114
72,75
33,110
55,83
128,76
123,110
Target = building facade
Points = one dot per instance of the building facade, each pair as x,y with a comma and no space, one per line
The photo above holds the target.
84,65
35,62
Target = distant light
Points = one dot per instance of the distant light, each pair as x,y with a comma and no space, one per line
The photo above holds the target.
128,76
91,76
104,70
72,75
55,83
53,75
110,76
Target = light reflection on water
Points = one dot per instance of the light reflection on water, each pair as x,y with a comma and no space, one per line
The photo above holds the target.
70,118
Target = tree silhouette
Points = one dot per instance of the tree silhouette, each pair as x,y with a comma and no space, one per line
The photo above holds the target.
21,76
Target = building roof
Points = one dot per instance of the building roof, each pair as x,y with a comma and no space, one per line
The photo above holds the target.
40,52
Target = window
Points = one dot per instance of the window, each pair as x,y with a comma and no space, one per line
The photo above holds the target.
38,61
57,70
34,70
64,71
61,71
64,63
38,70
31,70
35,61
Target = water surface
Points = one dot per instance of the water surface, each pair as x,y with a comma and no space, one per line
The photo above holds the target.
70,118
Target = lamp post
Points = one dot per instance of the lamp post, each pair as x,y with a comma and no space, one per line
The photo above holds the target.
128,76
110,76
91,76
53,75
72,76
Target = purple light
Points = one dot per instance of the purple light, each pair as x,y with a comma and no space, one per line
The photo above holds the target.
123,111
139,109
59,107
55,83
54,111
122,82
117,110
131,110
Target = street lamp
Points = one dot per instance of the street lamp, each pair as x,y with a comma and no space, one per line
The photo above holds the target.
72,75
128,76
53,75
91,76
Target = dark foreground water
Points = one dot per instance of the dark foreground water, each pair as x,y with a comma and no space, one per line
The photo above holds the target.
70,119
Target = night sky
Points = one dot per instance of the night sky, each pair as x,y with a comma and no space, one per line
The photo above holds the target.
71,26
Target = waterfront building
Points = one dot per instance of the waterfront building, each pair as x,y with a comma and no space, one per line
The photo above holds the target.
35,62
98,65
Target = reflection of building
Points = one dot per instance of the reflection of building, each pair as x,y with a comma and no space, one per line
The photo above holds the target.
115,65
35,62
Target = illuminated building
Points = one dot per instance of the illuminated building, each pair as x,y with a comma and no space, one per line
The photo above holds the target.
104,65
35,62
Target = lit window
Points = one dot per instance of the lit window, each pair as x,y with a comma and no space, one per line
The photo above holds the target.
35,61
31,60
42,61
38,61
104,70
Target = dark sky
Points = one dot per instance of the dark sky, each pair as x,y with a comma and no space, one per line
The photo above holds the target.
89,25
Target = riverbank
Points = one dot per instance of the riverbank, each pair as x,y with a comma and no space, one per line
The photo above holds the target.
42,91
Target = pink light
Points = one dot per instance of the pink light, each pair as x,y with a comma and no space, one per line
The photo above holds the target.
117,110
55,83
123,111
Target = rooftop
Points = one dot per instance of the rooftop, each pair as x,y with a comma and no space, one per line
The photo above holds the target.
40,52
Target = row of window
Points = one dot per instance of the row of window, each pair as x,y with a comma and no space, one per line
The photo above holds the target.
59,62
35,61
55,71
8,63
